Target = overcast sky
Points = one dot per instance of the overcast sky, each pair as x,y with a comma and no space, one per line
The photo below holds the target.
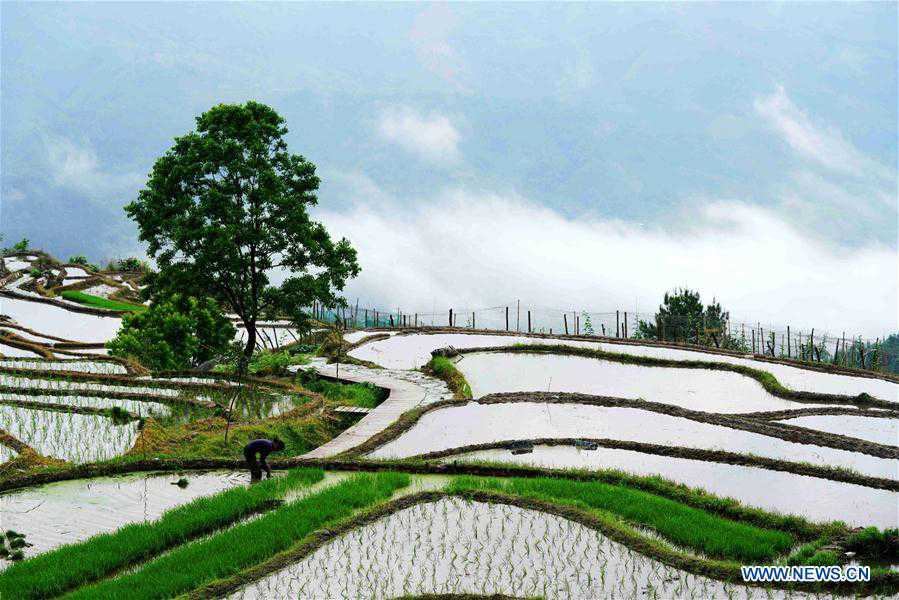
584,156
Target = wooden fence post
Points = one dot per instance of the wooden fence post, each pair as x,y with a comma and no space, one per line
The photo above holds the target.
450,317
391,321
529,321
617,326
753,341
416,320
577,324
472,320
789,355
845,354
518,316
625,324
565,319
507,318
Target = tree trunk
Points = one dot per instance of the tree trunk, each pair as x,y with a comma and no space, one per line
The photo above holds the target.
248,350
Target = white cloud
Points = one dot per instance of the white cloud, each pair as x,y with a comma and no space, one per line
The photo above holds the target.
76,166
467,249
826,146
432,137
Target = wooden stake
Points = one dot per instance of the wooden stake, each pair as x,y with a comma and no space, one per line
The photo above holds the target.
617,326
565,320
507,318
450,317
529,321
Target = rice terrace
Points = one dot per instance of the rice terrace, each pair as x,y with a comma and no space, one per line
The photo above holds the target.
238,406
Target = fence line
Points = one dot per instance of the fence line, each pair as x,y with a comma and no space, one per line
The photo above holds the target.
813,345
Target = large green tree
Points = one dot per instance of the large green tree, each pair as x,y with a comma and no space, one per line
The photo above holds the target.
225,210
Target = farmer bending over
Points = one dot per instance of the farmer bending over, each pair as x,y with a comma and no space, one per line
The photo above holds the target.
263,448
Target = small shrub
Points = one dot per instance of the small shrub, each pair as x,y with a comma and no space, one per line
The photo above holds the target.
80,259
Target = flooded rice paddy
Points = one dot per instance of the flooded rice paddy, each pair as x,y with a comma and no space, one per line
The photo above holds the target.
412,351
475,423
6,454
793,377
819,500
82,386
100,367
136,407
14,263
873,429
697,389
453,546
71,511
72,437
16,352
57,321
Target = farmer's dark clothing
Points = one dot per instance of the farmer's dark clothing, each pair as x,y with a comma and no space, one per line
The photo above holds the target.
263,448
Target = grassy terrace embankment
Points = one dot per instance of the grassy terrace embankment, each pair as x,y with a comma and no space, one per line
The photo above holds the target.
65,568
444,369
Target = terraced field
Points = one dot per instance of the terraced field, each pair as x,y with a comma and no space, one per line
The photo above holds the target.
514,465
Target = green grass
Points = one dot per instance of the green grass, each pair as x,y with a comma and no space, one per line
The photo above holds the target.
98,302
365,395
191,566
444,368
206,438
683,525
74,565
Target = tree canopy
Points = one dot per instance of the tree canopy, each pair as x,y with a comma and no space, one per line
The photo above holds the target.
682,317
226,208
176,332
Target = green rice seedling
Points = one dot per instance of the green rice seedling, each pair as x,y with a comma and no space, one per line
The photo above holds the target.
683,525
247,544
99,302
74,565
